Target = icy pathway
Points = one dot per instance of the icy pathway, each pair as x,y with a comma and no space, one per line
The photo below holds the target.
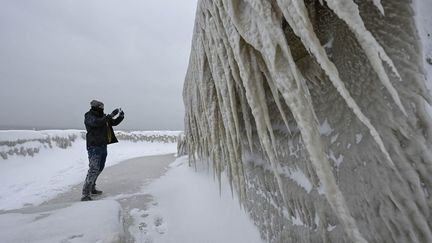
178,205
124,183
124,179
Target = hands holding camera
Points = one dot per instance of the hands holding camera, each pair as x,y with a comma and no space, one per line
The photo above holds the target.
117,111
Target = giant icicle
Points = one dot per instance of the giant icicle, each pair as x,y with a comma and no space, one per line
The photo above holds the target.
260,84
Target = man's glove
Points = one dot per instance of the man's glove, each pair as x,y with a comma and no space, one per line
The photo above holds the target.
114,112
122,113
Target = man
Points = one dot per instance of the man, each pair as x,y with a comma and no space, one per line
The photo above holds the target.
99,135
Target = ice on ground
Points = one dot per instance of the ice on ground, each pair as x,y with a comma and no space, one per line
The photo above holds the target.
96,221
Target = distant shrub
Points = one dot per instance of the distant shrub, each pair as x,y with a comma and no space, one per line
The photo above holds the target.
18,147
64,142
31,147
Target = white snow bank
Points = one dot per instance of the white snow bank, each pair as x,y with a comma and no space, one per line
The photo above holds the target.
97,221
188,208
31,180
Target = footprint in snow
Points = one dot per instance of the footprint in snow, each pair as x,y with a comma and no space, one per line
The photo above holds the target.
142,226
158,220
159,226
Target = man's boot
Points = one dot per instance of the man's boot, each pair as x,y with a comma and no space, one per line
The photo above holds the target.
86,198
95,191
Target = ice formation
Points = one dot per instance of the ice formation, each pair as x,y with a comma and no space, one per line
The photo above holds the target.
262,77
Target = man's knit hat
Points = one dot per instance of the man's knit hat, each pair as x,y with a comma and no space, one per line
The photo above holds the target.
96,103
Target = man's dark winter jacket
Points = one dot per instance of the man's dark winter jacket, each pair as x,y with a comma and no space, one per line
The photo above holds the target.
99,127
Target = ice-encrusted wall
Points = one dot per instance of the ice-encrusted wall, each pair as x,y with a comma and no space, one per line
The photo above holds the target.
316,111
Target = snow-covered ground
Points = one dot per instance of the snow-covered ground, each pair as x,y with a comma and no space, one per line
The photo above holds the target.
185,204
187,207
31,180
97,221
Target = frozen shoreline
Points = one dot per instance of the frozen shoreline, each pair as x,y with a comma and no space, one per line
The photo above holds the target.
29,180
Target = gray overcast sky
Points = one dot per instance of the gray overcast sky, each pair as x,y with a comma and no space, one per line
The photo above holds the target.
56,56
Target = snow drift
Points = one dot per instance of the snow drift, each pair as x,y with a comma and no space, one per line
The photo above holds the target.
317,112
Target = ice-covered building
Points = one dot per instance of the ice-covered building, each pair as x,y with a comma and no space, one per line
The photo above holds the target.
317,112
